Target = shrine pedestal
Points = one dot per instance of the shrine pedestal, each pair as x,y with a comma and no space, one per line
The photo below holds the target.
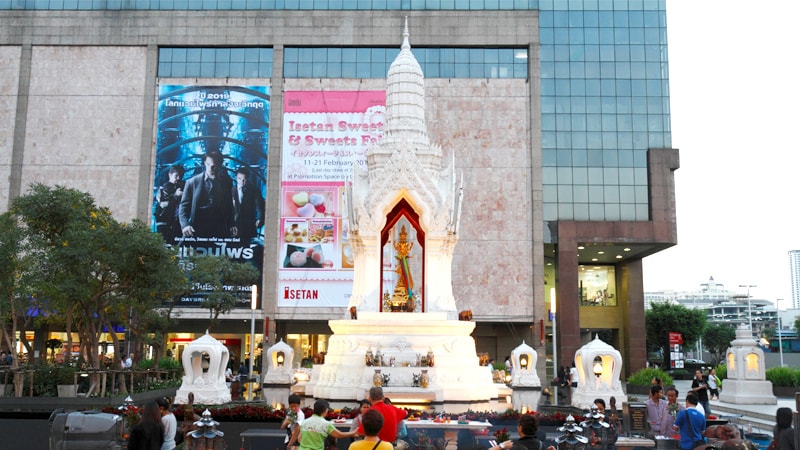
455,376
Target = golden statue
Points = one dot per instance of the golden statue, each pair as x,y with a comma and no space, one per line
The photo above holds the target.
403,295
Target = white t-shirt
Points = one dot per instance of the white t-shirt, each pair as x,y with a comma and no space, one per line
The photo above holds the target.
170,428
573,374
700,408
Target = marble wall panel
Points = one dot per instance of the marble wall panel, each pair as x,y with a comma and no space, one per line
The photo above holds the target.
9,82
84,125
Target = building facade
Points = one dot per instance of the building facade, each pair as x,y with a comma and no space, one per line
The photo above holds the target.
555,112
794,274
722,306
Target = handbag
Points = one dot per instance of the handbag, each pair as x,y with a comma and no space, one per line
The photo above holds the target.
775,443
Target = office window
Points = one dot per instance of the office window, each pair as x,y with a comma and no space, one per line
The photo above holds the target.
605,102
215,62
332,62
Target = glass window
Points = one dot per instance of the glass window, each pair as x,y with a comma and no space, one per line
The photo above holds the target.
444,62
597,285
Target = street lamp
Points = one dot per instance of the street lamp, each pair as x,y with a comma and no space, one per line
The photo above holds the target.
749,309
253,301
555,346
780,339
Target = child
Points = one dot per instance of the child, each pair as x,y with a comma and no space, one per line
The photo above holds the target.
373,421
294,417
363,407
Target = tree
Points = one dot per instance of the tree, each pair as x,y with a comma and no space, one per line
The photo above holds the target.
92,271
222,283
663,318
14,302
717,339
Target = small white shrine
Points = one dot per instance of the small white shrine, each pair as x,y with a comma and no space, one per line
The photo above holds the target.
402,215
746,382
599,367
279,364
204,361
524,374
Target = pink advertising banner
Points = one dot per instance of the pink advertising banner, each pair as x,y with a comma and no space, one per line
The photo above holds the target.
325,135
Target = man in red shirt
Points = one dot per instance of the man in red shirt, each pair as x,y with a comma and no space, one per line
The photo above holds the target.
392,416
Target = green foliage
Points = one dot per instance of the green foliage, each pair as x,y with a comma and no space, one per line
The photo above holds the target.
499,365
65,374
663,318
93,270
170,364
783,376
145,364
644,377
717,338
722,371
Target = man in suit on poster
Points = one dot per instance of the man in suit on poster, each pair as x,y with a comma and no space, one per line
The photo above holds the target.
247,210
206,209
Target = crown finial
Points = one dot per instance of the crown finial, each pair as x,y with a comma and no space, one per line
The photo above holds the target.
405,45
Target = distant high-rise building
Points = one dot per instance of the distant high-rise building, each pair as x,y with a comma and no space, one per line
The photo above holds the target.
794,269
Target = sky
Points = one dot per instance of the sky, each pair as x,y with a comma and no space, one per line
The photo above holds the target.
734,96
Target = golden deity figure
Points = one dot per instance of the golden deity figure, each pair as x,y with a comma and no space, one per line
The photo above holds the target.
403,295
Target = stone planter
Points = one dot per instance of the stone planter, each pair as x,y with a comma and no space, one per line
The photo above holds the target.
637,389
785,391
67,390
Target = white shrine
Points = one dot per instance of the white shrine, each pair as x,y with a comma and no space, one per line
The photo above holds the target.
402,216
746,382
204,362
599,367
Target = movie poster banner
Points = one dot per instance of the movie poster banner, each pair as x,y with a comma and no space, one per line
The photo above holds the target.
325,134
210,172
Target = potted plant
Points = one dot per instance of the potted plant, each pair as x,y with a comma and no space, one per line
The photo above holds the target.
65,376
639,383
784,381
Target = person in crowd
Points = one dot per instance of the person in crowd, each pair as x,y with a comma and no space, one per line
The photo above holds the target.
714,383
691,423
315,429
148,434
243,376
673,408
168,197
783,433
564,383
294,418
700,389
170,424
128,362
228,375
206,209
363,407
655,410
573,376
392,415
402,431
528,429
657,381
372,421
247,209
612,432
